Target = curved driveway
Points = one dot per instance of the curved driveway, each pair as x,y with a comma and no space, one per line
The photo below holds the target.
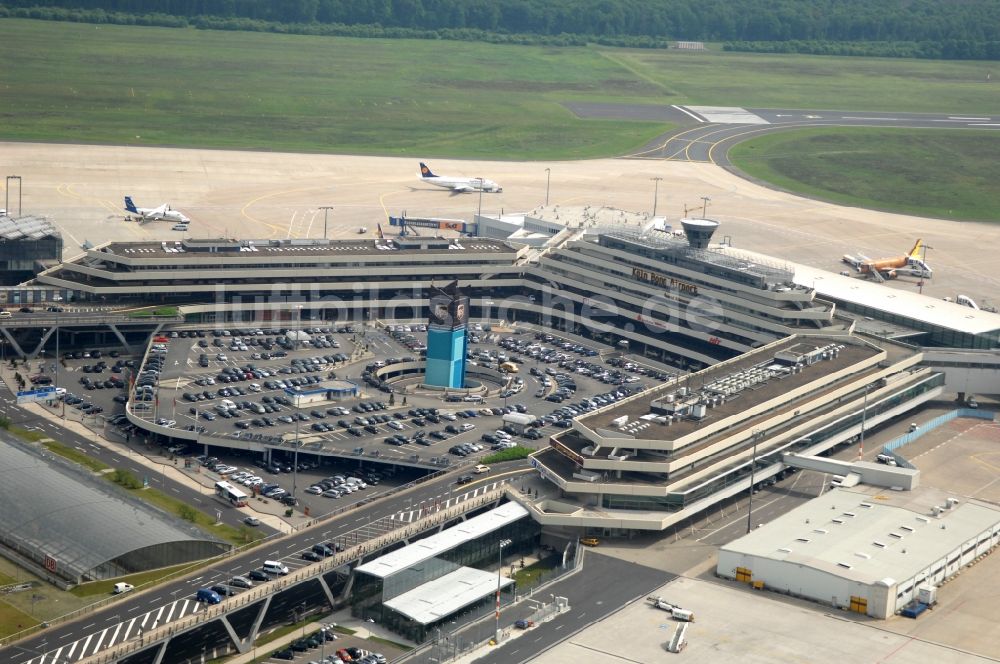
715,129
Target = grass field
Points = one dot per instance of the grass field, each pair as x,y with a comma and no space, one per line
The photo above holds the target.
753,80
160,86
112,84
951,174
13,620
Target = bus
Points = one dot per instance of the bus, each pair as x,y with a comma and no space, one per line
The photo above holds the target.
227,491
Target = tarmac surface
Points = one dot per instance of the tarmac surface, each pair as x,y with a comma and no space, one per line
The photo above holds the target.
278,195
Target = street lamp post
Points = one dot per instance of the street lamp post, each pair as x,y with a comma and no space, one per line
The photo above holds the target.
923,257
295,461
479,213
656,192
753,466
7,199
326,210
864,413
548,179
704,205
298,325
502,543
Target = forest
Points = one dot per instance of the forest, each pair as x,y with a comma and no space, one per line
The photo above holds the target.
942,29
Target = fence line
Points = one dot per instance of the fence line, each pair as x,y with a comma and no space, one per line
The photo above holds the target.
938,421
328,565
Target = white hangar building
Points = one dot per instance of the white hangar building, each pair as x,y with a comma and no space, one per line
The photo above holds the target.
865,549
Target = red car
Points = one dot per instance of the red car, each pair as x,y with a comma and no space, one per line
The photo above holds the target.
344,655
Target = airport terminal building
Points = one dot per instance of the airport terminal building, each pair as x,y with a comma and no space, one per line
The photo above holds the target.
661,456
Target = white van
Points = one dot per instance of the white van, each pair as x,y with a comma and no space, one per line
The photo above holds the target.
227,404
275,567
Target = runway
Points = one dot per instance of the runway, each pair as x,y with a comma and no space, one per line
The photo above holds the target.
707,132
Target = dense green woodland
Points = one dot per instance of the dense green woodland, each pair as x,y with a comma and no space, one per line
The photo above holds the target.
963,29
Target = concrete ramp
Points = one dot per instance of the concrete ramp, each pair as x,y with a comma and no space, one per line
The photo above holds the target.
727,115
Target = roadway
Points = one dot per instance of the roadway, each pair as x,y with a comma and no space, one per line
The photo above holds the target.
603,586
173,600
716,129
25,419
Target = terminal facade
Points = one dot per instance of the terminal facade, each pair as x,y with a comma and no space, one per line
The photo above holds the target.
672,296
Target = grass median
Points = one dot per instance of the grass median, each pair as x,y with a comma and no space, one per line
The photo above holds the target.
76,456
948,174
237,536
139,580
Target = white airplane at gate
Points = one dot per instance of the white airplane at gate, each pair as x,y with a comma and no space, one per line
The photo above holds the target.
458,185
163,212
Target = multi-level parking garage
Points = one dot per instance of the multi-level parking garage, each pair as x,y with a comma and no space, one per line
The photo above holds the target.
281,391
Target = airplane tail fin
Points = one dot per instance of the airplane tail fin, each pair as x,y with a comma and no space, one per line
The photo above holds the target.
129,205
425,172
917,249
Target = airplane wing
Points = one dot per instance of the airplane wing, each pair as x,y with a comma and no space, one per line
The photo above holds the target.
462,188
157,213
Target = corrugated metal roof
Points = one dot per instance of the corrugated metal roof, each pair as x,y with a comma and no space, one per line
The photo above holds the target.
26,227
444,596
446,540
58,511
863,538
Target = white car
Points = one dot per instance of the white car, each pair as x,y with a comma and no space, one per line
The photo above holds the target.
466,426
480,469
254,387
120,588
315,490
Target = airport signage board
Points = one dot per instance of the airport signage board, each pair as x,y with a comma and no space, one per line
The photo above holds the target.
31,396
664,281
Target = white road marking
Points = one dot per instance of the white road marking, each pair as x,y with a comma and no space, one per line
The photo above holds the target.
958,117
83,650
72,648
97,646
128,629
114,636
728,115
856,117
688,113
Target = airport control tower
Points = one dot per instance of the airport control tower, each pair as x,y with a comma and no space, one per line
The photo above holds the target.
699,231
447,337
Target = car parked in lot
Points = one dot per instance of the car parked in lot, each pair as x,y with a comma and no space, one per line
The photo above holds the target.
257,575
240,582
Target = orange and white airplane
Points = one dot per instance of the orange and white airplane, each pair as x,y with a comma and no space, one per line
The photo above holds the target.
881,269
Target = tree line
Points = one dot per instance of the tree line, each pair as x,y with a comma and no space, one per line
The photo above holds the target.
931,28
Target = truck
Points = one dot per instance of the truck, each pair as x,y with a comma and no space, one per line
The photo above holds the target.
676,612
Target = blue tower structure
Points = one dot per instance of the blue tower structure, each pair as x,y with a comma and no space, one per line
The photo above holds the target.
447,337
